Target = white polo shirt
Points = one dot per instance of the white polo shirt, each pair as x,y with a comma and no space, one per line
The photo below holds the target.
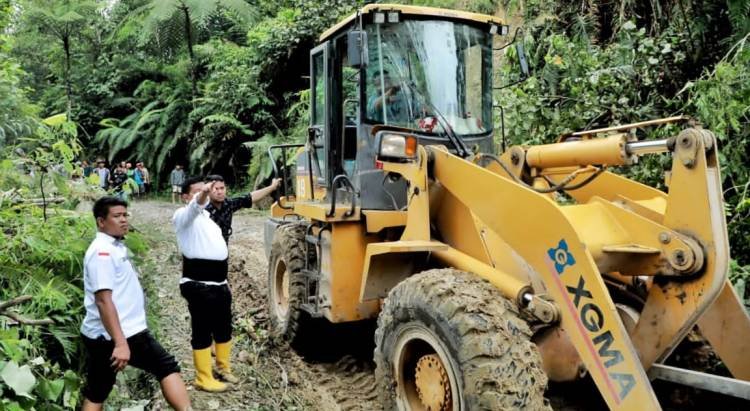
198,236
107,266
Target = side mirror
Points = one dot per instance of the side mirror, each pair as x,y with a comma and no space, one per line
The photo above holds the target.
522,60
357,54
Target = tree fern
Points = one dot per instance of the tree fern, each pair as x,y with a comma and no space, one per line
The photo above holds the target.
226,120
175,21
739,16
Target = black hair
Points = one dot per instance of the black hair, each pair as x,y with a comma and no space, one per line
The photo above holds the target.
214,177
102,206
189,182
375,74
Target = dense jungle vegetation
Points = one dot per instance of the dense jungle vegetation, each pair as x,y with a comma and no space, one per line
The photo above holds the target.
211,83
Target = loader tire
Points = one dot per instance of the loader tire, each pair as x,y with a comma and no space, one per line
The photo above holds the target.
286,286
457,323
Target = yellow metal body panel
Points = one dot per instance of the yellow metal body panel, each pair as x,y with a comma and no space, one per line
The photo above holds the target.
620,240
418,213
412,10
613,187
463,231
282,208
303,189
348,243
726,325
388,263
377,220
543,236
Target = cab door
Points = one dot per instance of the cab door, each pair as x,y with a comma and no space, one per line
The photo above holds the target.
319,131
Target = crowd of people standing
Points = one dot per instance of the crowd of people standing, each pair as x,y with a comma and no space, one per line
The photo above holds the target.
123,180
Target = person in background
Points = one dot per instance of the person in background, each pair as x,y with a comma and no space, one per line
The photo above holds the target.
130,172
138,178
87,169
222,208
114,330
204,285
77,173
176,178
104,175
146,177
119,177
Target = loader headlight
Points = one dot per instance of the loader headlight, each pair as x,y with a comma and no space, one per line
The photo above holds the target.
398,146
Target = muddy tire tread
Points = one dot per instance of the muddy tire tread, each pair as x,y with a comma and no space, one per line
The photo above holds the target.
289,244
499,367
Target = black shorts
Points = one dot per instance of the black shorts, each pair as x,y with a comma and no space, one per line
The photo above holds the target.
145,353
210,309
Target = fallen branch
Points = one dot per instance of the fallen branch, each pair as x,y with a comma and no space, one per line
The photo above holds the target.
38,201
18,318
14,301
26,321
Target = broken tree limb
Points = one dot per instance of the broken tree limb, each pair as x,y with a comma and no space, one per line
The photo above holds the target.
18,318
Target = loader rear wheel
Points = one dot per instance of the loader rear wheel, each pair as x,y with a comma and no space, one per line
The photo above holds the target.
447,340
286,285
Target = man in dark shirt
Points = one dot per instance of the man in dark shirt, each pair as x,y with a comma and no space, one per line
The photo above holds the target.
222,208
119,177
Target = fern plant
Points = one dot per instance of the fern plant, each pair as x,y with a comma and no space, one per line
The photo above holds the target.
172,22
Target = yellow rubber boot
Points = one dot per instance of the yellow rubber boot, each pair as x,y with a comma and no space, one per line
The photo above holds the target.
204,378
223,353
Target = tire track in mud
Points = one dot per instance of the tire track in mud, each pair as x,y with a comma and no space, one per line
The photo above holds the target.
349,381
342,381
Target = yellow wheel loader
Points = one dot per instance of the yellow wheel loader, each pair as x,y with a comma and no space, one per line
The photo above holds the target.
490,275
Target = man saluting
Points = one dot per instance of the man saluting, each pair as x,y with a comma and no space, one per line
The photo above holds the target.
204,285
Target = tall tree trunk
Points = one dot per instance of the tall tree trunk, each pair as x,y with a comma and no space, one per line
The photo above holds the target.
68,87
189,39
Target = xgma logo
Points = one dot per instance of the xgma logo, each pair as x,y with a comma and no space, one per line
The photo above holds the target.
591,319
561,256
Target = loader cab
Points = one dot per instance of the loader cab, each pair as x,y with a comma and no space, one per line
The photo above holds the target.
398,69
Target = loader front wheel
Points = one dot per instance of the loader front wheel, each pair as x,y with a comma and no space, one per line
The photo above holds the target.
447,340
286,285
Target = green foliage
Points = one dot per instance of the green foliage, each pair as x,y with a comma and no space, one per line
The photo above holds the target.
476,6
39,366
41,254
589,72
40,257
17,114
721,100
60,20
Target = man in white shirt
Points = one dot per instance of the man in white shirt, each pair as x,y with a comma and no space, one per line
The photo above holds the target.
204,285
114,330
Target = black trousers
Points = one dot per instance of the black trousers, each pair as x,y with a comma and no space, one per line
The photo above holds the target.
210,309
145,353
